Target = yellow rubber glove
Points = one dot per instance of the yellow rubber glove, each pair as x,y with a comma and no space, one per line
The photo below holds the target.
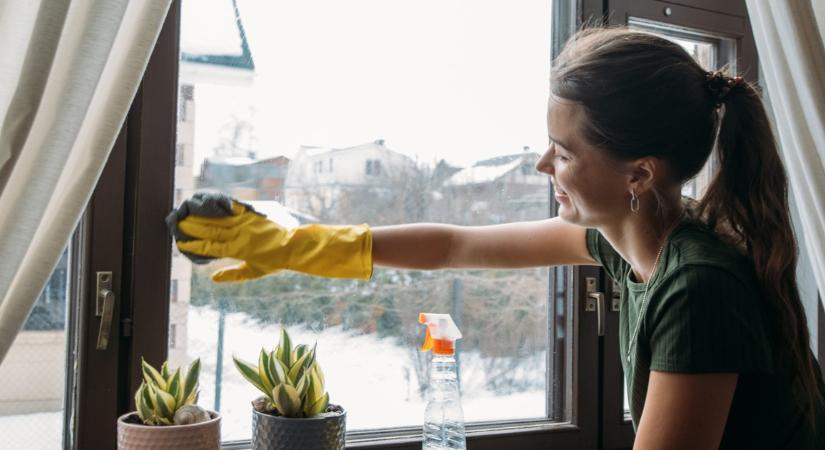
265,247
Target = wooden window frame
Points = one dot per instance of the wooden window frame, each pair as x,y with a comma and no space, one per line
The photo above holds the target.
136,191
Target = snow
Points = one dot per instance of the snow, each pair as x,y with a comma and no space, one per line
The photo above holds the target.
481,174
371,377
275,212
214,32
37,431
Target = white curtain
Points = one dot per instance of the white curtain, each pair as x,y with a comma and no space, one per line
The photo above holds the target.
792,58
69,72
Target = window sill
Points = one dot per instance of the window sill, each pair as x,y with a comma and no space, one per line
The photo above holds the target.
410,437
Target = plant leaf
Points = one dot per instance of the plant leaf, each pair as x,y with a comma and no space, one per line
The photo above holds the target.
191,383
143,408
164,371
297,352
277,371
318,407
174,386
250,372
302,385
166,404
263,365
315,389
266,365
149,394
164,421
286,399
284,349
317,369
151,375
297,369
193,398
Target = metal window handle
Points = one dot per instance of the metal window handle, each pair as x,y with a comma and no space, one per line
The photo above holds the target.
104,308
595,302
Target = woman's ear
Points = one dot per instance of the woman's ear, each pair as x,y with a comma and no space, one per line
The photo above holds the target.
644,172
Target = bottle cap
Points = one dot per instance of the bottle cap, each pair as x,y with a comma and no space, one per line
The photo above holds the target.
441,335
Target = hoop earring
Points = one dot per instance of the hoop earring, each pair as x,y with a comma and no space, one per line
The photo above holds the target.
634,201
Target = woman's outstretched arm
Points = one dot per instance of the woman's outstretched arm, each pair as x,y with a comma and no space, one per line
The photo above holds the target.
514,245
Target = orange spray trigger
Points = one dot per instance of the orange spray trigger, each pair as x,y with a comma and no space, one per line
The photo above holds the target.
428,342
441,334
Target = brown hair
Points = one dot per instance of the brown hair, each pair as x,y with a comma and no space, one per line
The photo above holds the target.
644,95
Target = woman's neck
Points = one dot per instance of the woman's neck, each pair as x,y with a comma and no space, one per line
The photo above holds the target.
639,237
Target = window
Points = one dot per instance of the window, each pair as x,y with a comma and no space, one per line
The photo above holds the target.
428,172
373,167
173,335
180,159
451,163
33,374
173,290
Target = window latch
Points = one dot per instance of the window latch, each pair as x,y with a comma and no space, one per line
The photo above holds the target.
595,302
104,308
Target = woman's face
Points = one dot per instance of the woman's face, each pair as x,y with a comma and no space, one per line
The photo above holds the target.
591,189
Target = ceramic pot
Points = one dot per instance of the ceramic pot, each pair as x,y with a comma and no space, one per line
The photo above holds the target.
326,431
132,435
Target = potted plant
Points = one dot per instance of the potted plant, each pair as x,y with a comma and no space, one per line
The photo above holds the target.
167,417
294,412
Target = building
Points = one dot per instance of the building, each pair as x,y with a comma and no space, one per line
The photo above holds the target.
246,178
496,190
201,62
321,181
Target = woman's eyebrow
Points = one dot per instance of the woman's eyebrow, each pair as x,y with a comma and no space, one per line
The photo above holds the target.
567,147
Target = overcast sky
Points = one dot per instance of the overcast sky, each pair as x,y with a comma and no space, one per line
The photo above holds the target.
460,80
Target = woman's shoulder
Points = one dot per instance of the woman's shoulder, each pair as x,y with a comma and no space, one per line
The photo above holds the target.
697,250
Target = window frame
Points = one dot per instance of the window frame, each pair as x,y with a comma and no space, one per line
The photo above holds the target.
133,196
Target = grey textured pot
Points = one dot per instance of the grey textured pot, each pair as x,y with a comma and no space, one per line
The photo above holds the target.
326,431
132,435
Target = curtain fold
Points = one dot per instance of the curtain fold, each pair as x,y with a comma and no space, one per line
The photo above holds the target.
62,103
792,58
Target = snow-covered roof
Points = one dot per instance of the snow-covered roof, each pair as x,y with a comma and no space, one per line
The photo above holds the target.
481,174
311,150
217,37
231,160
275,212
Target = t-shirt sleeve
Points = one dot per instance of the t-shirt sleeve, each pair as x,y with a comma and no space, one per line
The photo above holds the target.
601,250
708,320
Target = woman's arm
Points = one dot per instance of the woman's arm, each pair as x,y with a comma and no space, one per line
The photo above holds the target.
523,244
685,411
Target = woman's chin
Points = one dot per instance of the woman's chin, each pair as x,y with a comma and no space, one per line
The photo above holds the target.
567,214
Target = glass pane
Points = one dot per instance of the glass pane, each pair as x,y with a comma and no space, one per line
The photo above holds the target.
712,53
346,112
33,373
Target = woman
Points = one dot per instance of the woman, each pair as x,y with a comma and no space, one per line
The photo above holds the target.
713,339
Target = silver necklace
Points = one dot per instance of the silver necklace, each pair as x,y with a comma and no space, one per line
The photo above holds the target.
647,286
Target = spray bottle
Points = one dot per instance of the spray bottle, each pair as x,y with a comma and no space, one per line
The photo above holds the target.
443,418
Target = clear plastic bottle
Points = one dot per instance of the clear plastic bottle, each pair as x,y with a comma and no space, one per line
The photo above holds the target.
443,418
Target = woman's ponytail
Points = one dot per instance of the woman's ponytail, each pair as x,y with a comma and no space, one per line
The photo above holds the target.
747,201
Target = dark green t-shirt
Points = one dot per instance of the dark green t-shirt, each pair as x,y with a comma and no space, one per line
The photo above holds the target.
704,315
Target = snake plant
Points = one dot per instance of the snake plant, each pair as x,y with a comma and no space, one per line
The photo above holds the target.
162,393
290,378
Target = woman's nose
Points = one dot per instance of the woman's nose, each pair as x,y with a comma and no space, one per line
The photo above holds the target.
545,163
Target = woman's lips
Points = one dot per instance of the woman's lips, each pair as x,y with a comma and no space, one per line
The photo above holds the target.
558,192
